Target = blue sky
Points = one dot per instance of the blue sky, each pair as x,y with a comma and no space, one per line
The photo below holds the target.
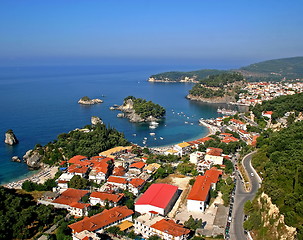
237,31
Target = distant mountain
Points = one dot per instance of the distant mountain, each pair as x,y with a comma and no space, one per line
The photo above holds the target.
276,70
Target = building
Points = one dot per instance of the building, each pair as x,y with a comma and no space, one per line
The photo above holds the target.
195,157
214,155
85,235
182,148
118,182
159,198
198,197
152,168
151,224
79,209
115,152
100,221
68,197
135,185
103,197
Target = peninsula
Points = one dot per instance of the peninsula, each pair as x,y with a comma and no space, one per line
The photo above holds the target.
87,101
140,110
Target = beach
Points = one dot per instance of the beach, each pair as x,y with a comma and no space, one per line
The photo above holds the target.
40,177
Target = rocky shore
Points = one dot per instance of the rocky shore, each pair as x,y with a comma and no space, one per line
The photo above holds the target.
225,99
88,101
167,80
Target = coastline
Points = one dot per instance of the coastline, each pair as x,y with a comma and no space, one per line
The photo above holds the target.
40,176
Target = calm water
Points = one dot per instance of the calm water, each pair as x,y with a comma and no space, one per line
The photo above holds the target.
39,103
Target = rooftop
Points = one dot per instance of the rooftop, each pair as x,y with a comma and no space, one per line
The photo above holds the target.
107,196
117,180
70,195
170,227
158,194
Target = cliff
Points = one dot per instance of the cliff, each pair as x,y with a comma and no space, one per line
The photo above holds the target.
225,99
33,159
87,101
10,138
96,120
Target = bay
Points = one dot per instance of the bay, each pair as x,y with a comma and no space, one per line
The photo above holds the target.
39,103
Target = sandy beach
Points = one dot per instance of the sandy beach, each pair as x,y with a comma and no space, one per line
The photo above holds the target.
40,177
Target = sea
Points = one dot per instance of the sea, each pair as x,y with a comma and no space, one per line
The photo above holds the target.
40,102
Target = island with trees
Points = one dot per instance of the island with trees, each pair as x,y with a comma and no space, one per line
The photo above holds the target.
141,110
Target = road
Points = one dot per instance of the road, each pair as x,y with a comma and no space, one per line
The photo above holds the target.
241,196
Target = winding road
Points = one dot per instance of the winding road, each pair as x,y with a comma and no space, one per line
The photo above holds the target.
241,196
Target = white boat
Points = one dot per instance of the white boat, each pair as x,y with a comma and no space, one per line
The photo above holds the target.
152,134
161,138
152,126
154,123
134,134
186,122
145,138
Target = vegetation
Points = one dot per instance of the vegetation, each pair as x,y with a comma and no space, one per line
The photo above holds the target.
22,218
146,109
30,186
280,106
98,139
226,187
192,223
178,76
278,69
280,161
215,85
85,98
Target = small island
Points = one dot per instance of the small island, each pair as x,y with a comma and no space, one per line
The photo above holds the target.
10,138
87,101
140,110
220,88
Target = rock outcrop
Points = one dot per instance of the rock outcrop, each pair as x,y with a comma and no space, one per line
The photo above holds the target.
10,138
88,101
225,99
96,120
33,159
16,159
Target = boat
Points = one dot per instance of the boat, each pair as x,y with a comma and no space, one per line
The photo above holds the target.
186,122
152,134
161,138
152,126
145,138
134,134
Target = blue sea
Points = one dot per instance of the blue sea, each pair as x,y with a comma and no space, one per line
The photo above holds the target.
39,103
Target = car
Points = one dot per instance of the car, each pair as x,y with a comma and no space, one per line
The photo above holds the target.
252,174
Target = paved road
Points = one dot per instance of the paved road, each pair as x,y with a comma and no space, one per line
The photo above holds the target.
241,196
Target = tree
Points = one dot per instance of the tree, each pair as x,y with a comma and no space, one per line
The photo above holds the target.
154,237
78,182
28,186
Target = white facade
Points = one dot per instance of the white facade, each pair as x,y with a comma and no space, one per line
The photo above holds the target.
147,208
216,160
195,206
195,157
97,177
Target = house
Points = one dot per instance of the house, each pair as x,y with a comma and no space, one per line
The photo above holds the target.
78,159
115,152
85,235
103,197
62,184
267,114
118,182
229,139
136,168
119,171
198,196
171,152
159,197
152,168
195,157
100,221
151,224
99,172
135,185
224,135
237,123
214,155
79,209
78,170
182,148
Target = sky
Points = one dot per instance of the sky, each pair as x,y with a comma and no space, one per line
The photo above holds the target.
235,31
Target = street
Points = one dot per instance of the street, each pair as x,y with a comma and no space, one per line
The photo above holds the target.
241,196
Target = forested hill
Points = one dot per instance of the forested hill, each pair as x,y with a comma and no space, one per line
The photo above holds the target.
275,70
179,76
280,160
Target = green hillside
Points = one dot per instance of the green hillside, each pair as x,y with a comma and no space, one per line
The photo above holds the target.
277,69
177,76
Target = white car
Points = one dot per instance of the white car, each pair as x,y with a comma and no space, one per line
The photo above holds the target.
252,174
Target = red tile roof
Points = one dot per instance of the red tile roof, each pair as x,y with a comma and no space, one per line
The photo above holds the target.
137,182
119,171
205,139
201,187
75,168
109,196
70,195
101,167
170,227
225,134
114,179
158,194
236,121
214,151
230,139
79,205
102,219
138,165
77,159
